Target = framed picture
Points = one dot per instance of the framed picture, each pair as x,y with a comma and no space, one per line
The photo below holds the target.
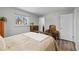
22,20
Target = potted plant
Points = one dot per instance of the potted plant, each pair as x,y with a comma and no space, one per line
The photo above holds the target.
2,19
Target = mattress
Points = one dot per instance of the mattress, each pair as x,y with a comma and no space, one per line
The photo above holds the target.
24,43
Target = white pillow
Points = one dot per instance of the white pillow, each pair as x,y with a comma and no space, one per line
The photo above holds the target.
1,37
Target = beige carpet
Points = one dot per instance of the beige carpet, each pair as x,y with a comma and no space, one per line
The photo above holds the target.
65,45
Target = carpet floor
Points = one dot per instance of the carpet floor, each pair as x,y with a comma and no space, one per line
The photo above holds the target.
65,45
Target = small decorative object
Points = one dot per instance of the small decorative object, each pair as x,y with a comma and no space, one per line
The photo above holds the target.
3,19
21,20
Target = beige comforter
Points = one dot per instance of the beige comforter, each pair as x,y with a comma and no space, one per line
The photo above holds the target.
24,43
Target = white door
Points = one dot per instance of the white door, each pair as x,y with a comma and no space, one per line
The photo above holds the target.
41,23
66,27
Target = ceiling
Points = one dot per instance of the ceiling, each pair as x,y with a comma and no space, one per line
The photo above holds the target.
40,11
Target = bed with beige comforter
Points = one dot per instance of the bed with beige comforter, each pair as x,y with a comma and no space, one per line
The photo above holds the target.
23,42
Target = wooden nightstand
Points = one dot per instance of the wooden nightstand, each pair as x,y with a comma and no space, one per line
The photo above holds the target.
34,28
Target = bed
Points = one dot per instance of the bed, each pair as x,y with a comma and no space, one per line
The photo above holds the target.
26,42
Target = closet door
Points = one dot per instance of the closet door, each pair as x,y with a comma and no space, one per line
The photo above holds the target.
66,27
2,28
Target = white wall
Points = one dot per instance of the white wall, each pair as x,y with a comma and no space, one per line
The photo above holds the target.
76,27
77,24
76,18
54,18
51,19
10,28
